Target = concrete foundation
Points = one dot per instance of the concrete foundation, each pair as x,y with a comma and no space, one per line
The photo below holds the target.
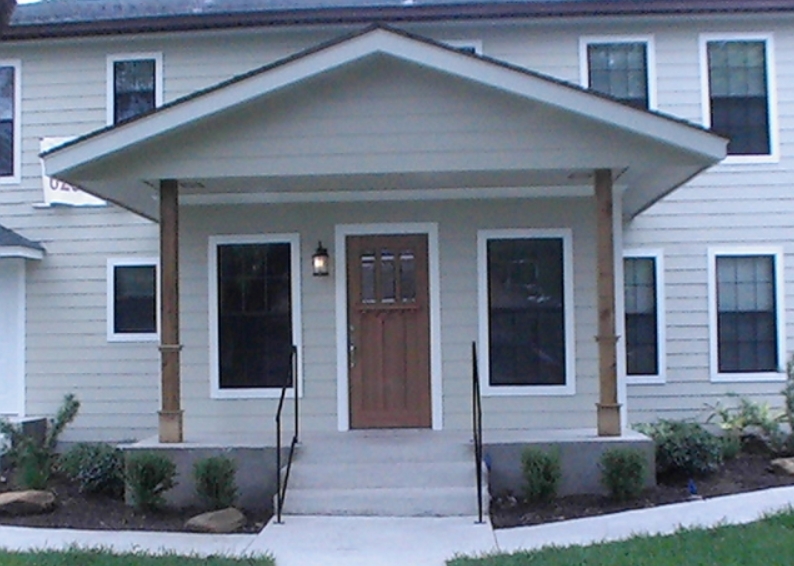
256,469
580,455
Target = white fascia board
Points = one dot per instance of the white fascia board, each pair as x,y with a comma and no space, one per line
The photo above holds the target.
711,147
21,251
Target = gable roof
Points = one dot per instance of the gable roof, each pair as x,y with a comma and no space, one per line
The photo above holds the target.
14,245
59,18
80,160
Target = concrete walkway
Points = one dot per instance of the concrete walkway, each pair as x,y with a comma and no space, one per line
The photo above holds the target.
354,541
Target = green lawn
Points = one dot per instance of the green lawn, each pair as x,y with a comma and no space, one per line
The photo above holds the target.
769,542
103,558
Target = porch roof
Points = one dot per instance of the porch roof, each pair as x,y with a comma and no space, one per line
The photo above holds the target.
567,132
14,245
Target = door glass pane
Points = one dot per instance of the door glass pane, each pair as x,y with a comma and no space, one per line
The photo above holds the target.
388,279
368,278
408,276
526,311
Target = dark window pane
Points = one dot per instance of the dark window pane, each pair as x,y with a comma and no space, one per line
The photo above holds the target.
368,278
746,314
619,70
387,277
134,88
6,121
738,95
134,300
642,347
526,312
407,277
254,315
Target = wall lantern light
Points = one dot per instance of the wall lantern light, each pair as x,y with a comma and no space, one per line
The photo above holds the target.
320,261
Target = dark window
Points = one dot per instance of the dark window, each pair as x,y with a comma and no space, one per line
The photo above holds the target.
134,88
526,316
254,315
642,347
619,70
7,121
746,314
134,299
738,95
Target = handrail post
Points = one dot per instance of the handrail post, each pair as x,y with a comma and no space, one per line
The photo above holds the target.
476,412
295,388
292,379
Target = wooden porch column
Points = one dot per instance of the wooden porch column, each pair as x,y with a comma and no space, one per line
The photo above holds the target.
170,416
608,407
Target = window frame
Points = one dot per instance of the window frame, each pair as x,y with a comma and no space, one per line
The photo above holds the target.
293,239
16,178
650,52
112,264
488,390
777,254
110,79
771,85
659,378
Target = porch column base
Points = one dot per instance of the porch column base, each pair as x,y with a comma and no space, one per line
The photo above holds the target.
608,419
170,426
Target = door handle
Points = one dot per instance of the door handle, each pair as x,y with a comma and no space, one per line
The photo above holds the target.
351,346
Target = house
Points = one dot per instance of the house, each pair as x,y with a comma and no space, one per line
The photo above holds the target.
593,192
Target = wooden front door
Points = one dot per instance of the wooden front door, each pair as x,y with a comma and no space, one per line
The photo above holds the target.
388,331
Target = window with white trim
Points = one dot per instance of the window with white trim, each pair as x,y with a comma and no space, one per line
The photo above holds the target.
134,85
10,150
740,93
525,311
644,315
255,313
132,300
747,324
619,67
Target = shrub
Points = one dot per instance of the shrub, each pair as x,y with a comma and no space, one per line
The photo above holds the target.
33,457
542,473
96,467
750,420
149,475
684,448
623,473
215,482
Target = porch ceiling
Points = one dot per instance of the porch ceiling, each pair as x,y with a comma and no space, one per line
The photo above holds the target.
385,115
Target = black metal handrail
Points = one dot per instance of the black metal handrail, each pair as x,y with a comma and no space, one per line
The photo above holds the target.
476,412
292,379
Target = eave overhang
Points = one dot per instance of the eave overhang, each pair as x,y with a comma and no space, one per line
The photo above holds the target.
688,149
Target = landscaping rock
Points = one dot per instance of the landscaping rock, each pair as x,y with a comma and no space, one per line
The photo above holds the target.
783,466
31,502
224,521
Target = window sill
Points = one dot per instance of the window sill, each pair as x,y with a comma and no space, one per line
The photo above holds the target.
116,338
645,380
528,390
758,377
10,180
251,393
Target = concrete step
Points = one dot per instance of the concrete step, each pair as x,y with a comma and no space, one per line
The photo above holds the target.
378,474
382,448
383,502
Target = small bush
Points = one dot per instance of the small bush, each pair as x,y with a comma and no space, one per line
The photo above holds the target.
215,482
96,467
684,448
149,475
731,446
623,473
542,473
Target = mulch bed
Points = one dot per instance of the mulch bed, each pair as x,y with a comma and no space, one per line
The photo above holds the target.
746,472
76,510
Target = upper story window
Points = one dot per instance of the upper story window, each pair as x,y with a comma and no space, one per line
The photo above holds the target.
134,85
747,324
621,68
9,121
738,97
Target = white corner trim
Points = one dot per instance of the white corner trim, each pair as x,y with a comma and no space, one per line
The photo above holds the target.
16,178
780,316
293,239
660,378
771,86
110,79
112,263
434,275
650,61
566,234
